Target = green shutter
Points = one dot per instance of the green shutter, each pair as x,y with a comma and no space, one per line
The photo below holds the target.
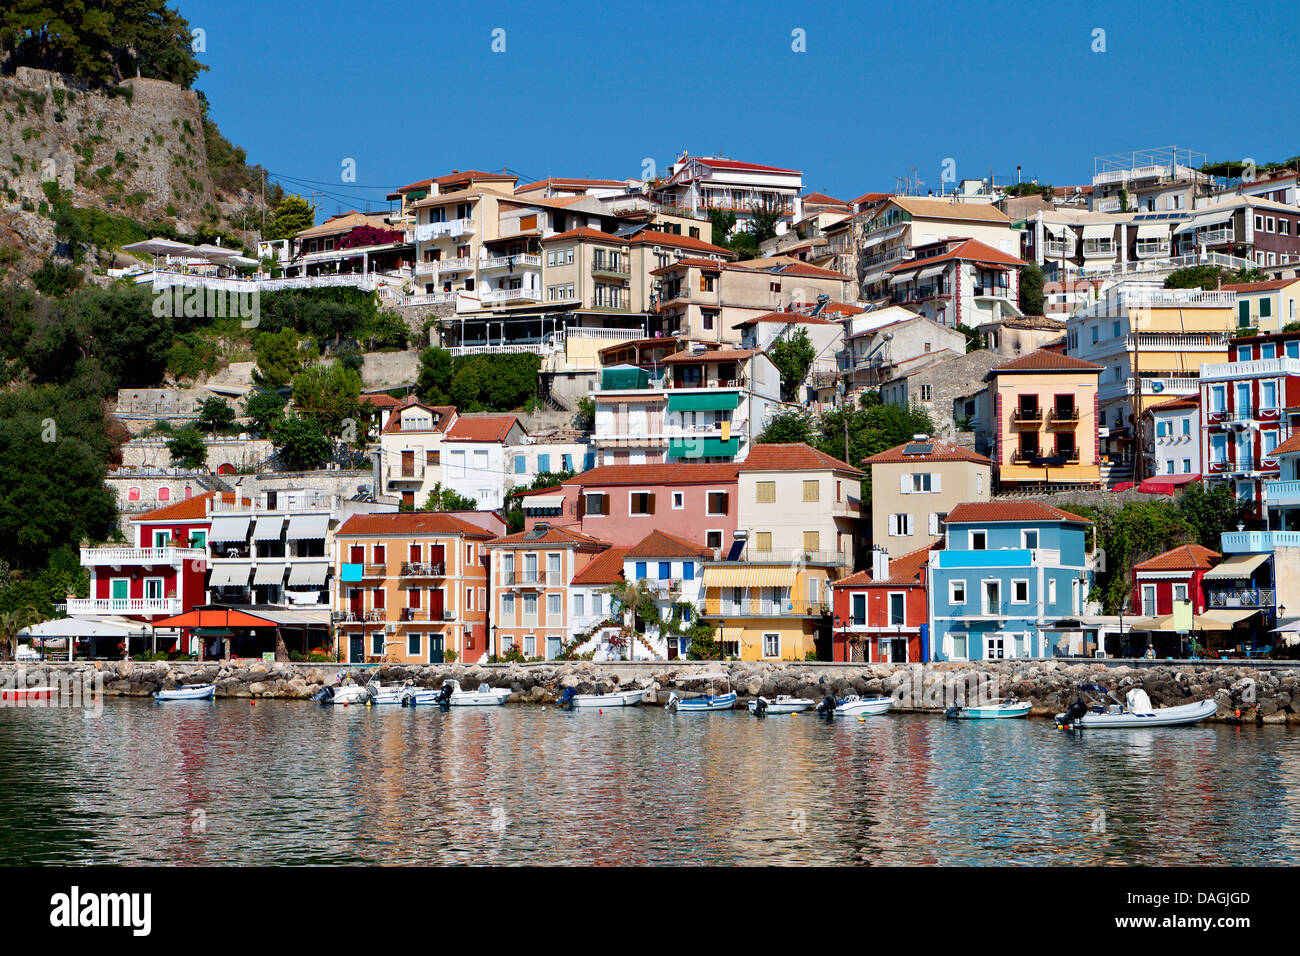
703,402
702,447
624,376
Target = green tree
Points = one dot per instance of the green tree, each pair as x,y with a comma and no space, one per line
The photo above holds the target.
763,222
1031,289
704,645
215,415
331,396
786,428
264,409
1196,277
638,599
433,383
383,332
723,221
291,216
280,356
585,418
446,499
300,443
14,621
792,355
1129,536
187,448
1210,512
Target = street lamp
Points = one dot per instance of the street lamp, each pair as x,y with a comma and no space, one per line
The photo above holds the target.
722,647
495,642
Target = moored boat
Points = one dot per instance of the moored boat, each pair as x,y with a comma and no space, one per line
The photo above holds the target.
341,693
703,702
619,698
1092,711
854,706
15,694
377,693
452,695
990,710
187,692
780,704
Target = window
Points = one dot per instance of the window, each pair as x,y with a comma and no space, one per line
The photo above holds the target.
897,608
412,645
595,504
992,597
641,572
1169,466
900,526
708,315
688,570
716,503
765,492
811,540
553,570
530,610
1187,466
978,540
530,645
771,645
713,539
665,570
521,464
679,500
994,648
1187,426
1268,394
1029,539
162,539
958,646
553,607
812,490
1180,592
858,609
641,503
1020,591
1243,351
579,605
1051,591
762,541
1218,397
923,482
1218,448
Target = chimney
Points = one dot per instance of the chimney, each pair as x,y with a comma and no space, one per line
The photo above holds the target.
879,563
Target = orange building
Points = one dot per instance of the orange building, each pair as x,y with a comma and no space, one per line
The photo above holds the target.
531,573
412,587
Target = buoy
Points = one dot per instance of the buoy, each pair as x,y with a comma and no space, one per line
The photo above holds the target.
861,719
600,710
252,703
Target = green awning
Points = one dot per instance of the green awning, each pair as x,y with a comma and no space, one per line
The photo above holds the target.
703,402
624,376
703,447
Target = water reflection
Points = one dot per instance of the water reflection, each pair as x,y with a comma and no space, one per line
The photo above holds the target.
288,782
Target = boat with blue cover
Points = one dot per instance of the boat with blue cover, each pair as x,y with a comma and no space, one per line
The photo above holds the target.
703,703
990,709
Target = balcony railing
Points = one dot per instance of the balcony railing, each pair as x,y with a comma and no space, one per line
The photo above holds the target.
717,609
1027,416
373,615
422,569
521,578
1098,248
1058,248
1282,493
118,557
1242,597
512,295
1257,542
426,268
1149,250
430,298
124,605
1046,457
1064,416
518,261
1214,237
457,264
610,268
1197,341
1255,368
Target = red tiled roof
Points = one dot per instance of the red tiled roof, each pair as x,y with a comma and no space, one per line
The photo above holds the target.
562,181
736,164
645,237
191,509
440,414
557,536
786,318
990,511
793,456
604,568
657,474
1188,557
410,523
489,428
660,544
469,176
422,184
1288,447
710,355
823,199
1046,360
382,400
812,272
1175,403
970,250
905,569
844,308
940,451
868,197
1269,285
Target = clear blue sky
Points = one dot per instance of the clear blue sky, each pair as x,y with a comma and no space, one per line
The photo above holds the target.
413,89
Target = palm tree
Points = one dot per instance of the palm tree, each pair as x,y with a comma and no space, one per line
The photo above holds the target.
637,597
14,621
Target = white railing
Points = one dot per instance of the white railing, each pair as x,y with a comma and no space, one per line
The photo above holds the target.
458,264
1255,368
367,281
1148,250
430,298
521,261
426,268
1108,205
1150,386
532,348
124,605
512,295
1207,341
91,557
1214,236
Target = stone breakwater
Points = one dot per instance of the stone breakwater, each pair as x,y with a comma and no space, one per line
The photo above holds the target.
1260,694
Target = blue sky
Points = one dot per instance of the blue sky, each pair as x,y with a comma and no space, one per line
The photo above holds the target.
409,90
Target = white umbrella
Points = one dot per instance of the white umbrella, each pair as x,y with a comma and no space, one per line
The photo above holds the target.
159,247
209,252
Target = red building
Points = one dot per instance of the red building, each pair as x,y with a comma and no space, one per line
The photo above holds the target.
881,616
1173,576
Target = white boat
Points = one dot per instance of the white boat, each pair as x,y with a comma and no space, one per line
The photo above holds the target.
990,710
486,696
187,692
854,706
780,704
377,693
342,694
1091,711
704,702
618,698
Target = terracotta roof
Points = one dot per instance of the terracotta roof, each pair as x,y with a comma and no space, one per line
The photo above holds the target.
560,536
1175,403
422,184
382,400
562,182
471,175
905,569
983,512
439,413
191,509
347,222
1270,285
1188,557
823,199
536,491
794,456
927,208
868,197
672,341
786,318
410,523
736,164
1288,447
1045,360
757,266
710,355
970,250
843,308
657,474
604,568
940,451
660,544
646,237
489,428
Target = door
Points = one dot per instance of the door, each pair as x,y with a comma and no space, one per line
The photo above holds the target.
408,464
552,648
357,604
435,648
356,648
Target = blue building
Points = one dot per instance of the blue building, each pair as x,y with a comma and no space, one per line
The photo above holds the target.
1010,581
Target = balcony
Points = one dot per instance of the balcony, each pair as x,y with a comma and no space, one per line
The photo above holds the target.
1214,237
1281,494
374,571
517,261
1046,459
511,295
120,557
426,268
1062,417
169,605
1059,249
1242,597
1255,368
431,298
716,609
1107,205
1244,466
1257,542
1032,417
1150,386
521,579
374,615
413,474
423,569
1099,248
1180,341
1151,250
618,270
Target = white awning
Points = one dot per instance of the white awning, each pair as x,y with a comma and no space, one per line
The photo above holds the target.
268,528
1055,229
229,575
929,273
306,526
270,573
543,501
308,575
1205,220
80,627
899,279
1236,568
1153,230
1104,230
229,528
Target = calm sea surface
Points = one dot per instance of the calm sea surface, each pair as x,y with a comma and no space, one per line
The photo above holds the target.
289,782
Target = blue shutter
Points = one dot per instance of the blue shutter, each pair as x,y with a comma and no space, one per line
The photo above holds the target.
543,463
688,571
640,570
589,461
665,570
521,464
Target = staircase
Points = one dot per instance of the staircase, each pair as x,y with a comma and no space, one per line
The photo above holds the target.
212,483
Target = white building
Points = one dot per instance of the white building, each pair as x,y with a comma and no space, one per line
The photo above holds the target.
1173,438
474,452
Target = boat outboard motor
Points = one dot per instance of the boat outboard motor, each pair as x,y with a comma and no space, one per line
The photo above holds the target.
566,699
323,696
827,707
444,696
760,707
1074,712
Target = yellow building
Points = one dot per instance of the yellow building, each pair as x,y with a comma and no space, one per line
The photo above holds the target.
1045,420
769,610
1265,306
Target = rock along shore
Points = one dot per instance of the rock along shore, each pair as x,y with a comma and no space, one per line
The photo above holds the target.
1267,693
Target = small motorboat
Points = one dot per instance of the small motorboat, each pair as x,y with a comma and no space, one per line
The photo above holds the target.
451,695
572,700
704,702
187,692
780,704
1092,711
990,709
377,693
14,695
854,706
342,693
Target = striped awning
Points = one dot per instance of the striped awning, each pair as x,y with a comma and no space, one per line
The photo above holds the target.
1236,568
306,526
749,576
1153,230
1098,230
229,528
1222,619
541,501
308,575
229,575
268,528
269,573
